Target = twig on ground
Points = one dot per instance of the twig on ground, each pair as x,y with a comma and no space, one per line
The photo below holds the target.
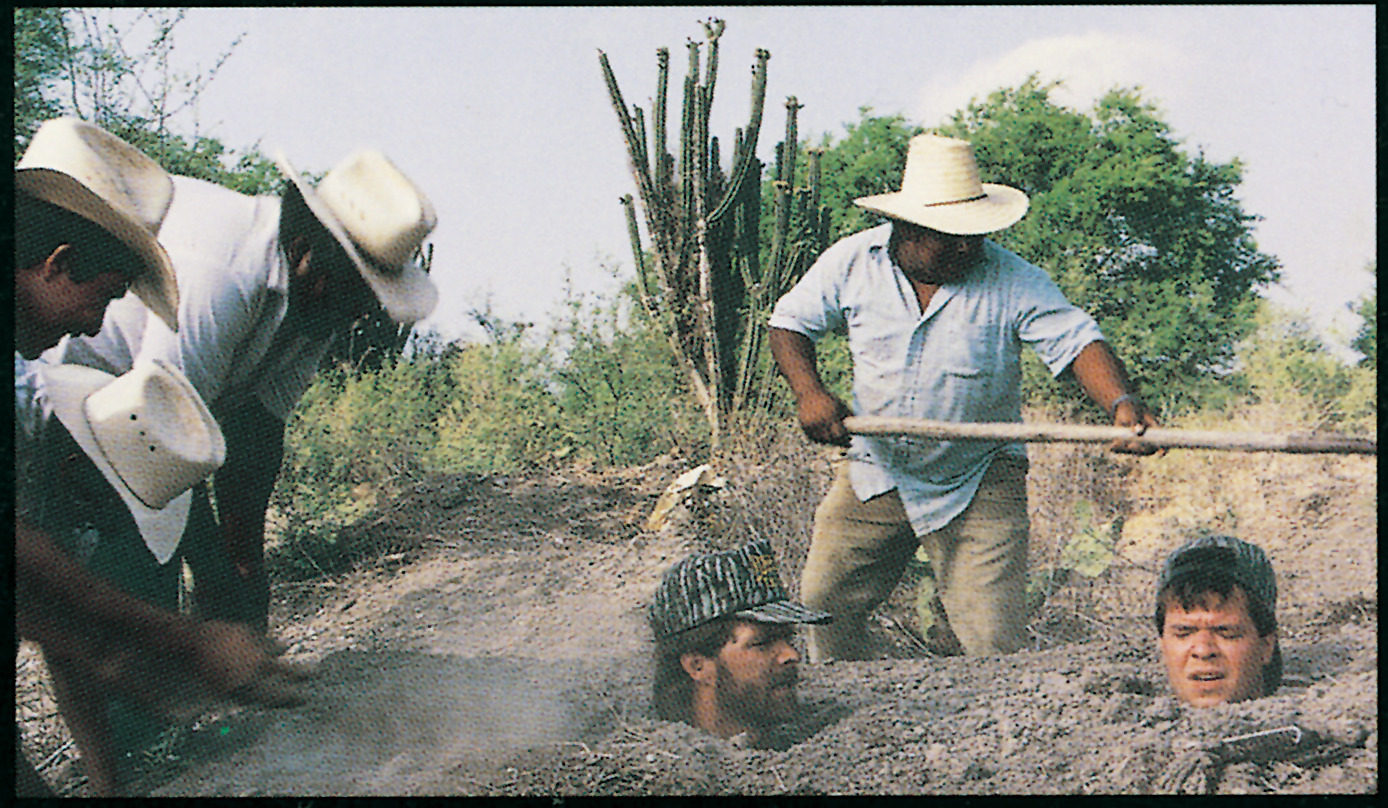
52,759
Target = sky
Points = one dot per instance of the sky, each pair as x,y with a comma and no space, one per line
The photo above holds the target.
501,117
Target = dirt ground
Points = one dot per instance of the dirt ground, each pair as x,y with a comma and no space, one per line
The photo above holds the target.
503,651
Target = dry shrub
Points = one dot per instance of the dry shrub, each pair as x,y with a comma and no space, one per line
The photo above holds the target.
1315,515
775,480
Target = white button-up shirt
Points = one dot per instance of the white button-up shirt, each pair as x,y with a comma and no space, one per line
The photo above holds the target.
233,293
959,360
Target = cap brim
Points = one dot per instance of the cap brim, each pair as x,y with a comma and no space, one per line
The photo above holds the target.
67,387
156,286
406,297
783,611
1000,207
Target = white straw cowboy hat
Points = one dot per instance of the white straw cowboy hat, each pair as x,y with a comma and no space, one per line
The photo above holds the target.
96,175
940,190
370,207
148,432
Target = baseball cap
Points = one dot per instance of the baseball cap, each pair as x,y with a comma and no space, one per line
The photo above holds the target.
1246,563
744,583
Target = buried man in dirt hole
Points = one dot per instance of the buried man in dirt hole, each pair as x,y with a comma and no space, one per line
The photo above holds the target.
1217,622
724,659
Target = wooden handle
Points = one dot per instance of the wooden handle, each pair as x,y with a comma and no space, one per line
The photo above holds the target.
1066,433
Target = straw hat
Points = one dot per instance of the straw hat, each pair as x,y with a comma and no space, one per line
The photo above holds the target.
370,207
86,170
940,190
148,432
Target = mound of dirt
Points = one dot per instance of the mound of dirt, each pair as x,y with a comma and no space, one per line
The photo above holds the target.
501,649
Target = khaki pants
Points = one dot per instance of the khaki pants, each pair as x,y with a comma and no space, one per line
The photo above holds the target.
860,550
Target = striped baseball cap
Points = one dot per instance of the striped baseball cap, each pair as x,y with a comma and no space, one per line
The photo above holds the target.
1246,564
743,583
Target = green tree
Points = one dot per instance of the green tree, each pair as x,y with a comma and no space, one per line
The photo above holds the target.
1366,341
117,69
1146,237
40,46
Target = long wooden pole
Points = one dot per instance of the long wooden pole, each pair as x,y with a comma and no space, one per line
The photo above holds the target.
1065,433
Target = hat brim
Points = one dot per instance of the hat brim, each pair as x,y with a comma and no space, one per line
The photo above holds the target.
407,297
999,207
67,387
783,611
156,286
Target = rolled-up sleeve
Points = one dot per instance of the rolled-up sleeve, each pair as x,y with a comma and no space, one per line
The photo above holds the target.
813,307
1053,326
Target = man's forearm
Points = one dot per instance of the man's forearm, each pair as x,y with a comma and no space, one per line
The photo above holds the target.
1102,375
48,576
797,360
244,483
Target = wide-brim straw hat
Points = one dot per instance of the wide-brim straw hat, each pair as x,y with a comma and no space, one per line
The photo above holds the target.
150,435
381,219
86,170
940,190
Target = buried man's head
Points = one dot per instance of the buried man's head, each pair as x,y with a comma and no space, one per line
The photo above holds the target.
1216,622
724,625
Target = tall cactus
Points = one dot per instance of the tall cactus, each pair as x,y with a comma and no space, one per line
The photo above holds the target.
702,279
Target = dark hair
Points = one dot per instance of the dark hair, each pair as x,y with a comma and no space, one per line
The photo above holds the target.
672,691
1189,589
40,227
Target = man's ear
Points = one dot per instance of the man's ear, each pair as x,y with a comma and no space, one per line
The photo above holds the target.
699,667
1267,644
62,261
300,254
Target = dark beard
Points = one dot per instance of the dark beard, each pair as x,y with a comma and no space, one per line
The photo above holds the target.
754,704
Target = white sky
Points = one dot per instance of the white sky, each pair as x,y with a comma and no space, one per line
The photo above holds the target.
500,114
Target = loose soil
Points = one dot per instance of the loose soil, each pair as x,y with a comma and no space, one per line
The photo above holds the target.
502,649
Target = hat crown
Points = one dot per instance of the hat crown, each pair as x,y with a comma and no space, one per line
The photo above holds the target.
383,212
704,587
120,174
155,431
1246,563
940,170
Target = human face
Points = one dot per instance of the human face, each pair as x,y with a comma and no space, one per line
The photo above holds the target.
1213,653
931,257
757,675
49,303
326,292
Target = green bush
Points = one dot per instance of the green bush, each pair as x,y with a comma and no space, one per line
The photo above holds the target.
1285,362
354,441
503,416
622,400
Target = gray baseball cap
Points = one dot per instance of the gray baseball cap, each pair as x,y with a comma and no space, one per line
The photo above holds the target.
1246,563
744,583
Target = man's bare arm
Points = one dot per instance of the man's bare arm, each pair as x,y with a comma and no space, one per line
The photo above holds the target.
821,413
244,483
1102,375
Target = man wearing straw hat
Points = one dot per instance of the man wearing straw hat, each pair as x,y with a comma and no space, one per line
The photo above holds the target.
266,285
86,208
936,316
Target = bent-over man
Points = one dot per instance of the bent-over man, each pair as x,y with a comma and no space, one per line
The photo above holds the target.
86,208
266,285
